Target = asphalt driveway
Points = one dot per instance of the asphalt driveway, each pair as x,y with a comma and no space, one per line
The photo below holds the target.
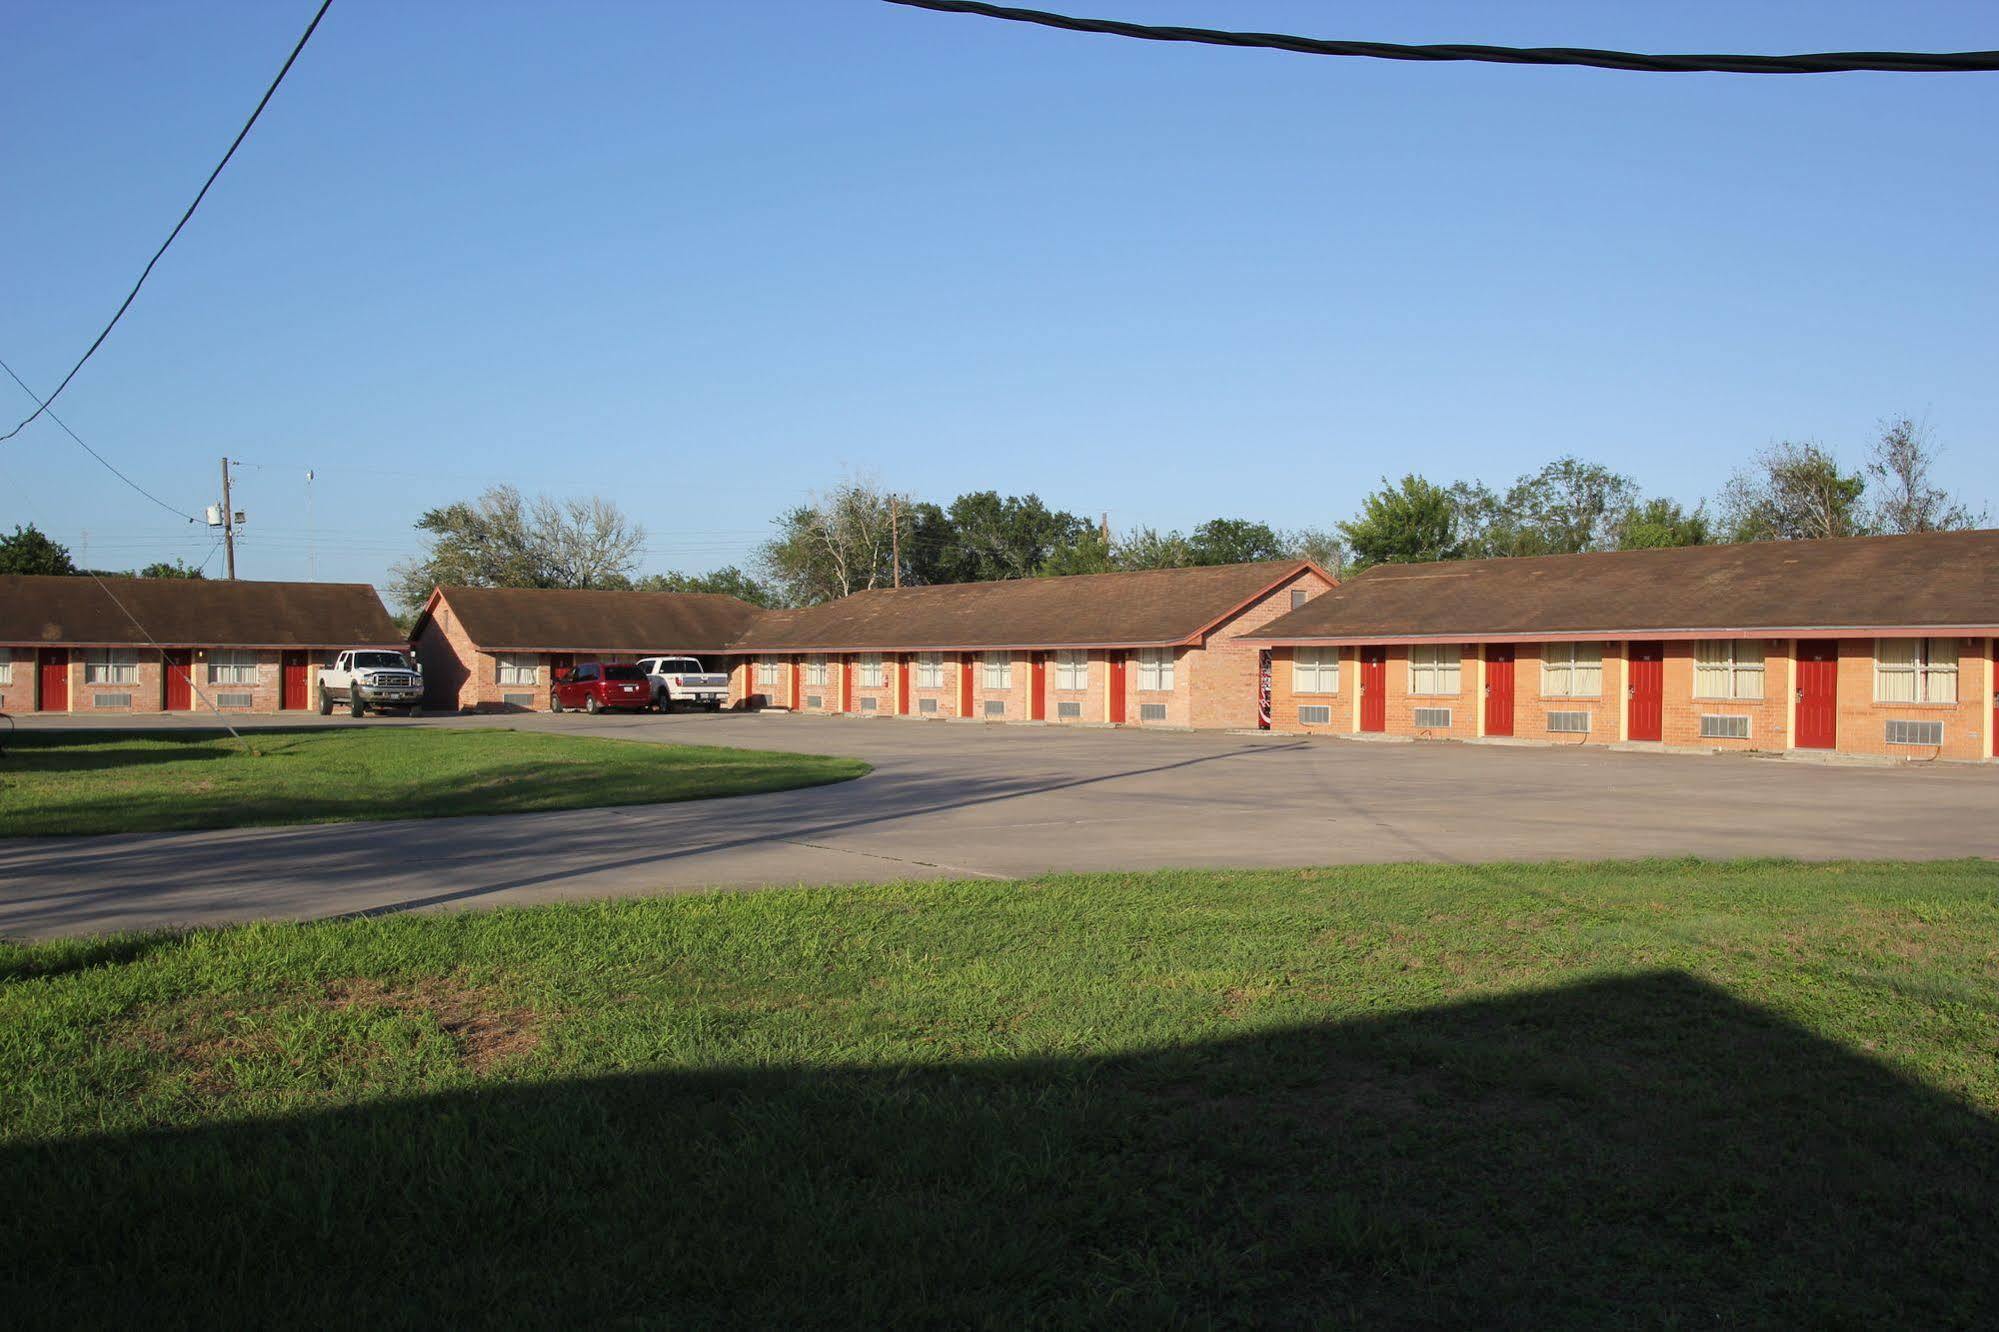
971,800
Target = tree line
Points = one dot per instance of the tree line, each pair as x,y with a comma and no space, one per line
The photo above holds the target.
28,550
860,535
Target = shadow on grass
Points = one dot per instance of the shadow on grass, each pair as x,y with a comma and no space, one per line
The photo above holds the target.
1645,1150
46,752
63,956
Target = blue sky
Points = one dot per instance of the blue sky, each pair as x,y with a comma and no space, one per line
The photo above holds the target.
704,258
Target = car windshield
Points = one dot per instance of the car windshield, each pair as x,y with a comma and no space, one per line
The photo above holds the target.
623,673
388,659
679,666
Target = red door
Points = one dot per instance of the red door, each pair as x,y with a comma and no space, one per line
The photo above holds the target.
178,667
1818,693
294,668
1115,661
1373,689
53,666
1037,687
902,685
1499,689
964,684
797,677
845,667
1646,692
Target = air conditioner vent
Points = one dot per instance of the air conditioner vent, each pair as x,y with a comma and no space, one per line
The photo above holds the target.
870,704
1152,712
926,705
1433,719
1915,733
1568,723
111,701
815,700
995,707
235,700
1068,708
1317,714
1716,726
523,701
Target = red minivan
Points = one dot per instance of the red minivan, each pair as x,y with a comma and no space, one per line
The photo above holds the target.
594,686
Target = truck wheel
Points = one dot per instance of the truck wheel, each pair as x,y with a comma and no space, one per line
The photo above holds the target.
592,706
662,702
413,710
554,701
354,705
714,705
325,702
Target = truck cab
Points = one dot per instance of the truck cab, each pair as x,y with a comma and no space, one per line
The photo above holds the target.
681,680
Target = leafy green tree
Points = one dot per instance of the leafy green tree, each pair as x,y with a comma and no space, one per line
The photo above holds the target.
1406,522
1235,541
176,569
1905,498
1148,548
28,551
504,540
1654,523
1321,548
994,538
728,581
1794,491
1089,553
839,543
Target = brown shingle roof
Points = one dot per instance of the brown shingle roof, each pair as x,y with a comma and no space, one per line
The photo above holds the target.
524,619
1148,607
1941,579
192,612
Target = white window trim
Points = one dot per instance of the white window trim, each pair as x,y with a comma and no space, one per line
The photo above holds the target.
1155,670
1436,660
766,674
1740,666
996,670
1311,676
815,669
227,667
1072,665
1565,660
873,674
110,666
929,670
508,667
1925,667
6,666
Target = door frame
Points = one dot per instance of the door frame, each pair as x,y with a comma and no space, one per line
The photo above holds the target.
1632,660
1114,679
1037,686
47,659
286,660
1506,655
177,661
1830,648
1371,704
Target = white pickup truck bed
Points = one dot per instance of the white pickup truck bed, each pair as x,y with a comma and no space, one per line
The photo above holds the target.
681,680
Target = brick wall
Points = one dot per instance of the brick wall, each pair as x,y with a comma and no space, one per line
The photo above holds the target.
1682,710
1222,671
1863,722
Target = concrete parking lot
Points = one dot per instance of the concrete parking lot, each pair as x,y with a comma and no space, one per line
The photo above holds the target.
971,800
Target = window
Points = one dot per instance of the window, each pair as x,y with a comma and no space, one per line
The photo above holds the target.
234,668
1155,669
998,671
1915,670
1299,596
1728,668
767,674
1072,669
6,666
517,668
1433,668
815,670
1572,670
1315,670
872,674
929,670
109,666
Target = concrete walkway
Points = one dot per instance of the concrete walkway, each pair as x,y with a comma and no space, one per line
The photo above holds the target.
970,800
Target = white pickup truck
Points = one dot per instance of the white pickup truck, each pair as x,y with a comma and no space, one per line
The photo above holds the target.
681,680
370,678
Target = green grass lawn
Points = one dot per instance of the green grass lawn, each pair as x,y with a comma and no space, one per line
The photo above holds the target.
1668,1094
57,783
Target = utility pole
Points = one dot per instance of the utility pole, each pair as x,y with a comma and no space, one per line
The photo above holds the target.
1105,530
228,524
895,538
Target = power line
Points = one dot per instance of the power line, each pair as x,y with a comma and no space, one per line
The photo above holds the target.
1826,62
237,142
93,452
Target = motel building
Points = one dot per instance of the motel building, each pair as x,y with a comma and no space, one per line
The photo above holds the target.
1870,646
123,645
1159,647
1156,647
